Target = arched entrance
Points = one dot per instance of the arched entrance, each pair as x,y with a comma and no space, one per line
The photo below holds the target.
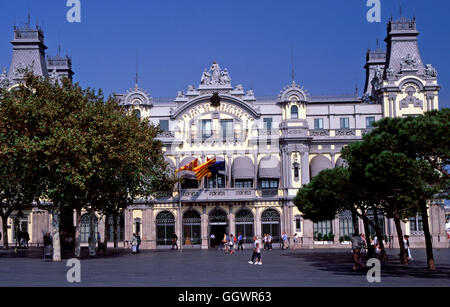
218,225
191,228
165,227
270,224
244,225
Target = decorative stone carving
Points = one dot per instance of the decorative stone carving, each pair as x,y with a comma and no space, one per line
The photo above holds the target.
411,99
409,63
390,73
430,71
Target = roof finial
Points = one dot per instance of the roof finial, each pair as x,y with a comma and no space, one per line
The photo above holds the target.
401,13
292,64
136,78
28,19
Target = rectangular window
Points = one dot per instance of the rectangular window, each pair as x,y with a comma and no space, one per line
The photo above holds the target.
267,123
322,228
298,224
318,123
269,183
369,121
164,125
227,128
206,128
243,183
345,123
415,223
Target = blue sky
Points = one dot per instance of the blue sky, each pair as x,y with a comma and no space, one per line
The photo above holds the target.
175,40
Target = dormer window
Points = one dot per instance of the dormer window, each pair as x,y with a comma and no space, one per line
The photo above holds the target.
294,112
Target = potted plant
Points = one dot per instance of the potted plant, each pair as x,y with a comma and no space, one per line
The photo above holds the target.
319,239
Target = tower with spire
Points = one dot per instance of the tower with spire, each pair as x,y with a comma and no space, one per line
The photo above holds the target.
28,52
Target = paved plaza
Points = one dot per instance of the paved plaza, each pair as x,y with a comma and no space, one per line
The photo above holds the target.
208,268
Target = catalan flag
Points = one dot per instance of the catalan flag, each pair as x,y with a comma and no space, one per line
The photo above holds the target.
203,170
188,167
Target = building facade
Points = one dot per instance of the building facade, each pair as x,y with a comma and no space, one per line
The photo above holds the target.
271,147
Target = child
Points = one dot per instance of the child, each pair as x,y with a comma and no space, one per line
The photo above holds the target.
231,245
258,254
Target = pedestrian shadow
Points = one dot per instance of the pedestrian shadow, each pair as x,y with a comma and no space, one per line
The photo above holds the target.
340,263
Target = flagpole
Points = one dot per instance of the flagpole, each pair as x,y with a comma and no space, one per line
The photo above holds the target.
180,219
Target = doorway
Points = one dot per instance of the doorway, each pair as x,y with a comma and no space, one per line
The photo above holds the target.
218,230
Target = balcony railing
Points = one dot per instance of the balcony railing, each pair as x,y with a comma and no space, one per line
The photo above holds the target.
218,136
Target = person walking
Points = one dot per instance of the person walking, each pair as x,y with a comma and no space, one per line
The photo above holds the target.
138,238
285,241
258,254
407,248
134,243
255,243
226,243
231,244
174,241
356,248
212,240
265,243
240,242
269,241
295,241
26,238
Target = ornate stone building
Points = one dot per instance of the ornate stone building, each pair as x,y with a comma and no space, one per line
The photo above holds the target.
271,147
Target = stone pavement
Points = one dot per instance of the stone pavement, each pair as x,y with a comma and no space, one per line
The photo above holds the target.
209,268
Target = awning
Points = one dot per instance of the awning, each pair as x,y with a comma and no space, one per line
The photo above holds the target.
269,167
318,164
243,168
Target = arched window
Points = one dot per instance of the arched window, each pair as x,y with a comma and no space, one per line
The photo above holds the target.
191,228
294,112
137,112
120,228
244,225
270,224
85,227
345,224
165,227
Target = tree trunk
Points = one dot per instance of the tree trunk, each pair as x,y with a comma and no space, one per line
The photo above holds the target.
370,250
403,255
355,222
379,235
56,240
92,234
78,233
426,232
5,231
116,237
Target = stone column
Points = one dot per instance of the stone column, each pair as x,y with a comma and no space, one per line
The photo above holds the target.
101,228
333,160
336,232
308,234
290,223
231,221
229,172
148,229
289,169
437,225
204,228
305,167
178,227
255,175
128,219
257,223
